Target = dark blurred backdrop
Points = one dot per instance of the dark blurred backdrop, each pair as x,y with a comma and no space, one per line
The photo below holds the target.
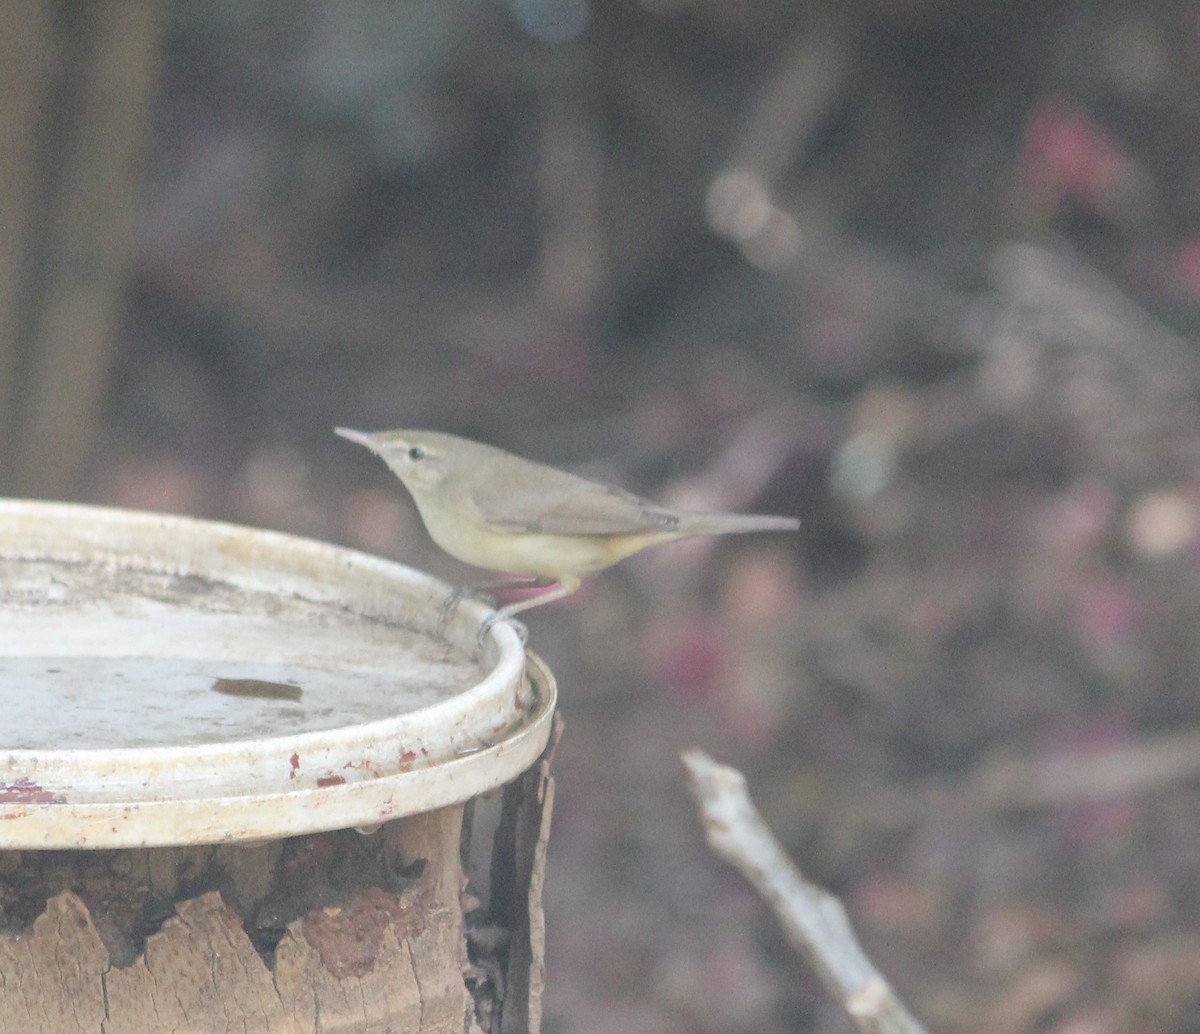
926,274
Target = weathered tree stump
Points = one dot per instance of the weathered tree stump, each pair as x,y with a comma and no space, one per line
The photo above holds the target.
331,932
239,775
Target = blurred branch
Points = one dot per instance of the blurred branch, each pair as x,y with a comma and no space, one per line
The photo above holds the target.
1002,784
743,467
25,33
75,319
741,204
813,920
1060,298
1102,774
786,114
570,268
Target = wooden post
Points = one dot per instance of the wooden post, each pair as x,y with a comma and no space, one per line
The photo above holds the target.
235,778
330,932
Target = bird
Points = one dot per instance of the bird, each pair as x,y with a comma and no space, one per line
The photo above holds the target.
495,510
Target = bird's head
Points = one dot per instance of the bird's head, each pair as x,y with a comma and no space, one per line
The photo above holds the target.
418,458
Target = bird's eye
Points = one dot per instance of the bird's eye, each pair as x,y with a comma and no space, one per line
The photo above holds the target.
416,453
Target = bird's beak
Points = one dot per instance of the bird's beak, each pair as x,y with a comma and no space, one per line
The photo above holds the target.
359,437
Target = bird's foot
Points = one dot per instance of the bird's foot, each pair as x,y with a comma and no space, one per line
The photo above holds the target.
455,597
448,605
518,627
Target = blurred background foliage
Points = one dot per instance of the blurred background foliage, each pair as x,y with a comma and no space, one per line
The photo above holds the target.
926,274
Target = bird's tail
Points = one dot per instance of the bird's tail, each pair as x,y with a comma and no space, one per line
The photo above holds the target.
735,523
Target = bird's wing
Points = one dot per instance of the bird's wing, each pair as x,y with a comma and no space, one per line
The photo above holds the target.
574,507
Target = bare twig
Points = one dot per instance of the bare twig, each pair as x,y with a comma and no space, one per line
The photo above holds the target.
813,920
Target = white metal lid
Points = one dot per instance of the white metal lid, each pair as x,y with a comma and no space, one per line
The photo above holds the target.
169,681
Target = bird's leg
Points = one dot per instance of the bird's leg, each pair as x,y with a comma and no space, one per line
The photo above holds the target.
566,585
483,590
